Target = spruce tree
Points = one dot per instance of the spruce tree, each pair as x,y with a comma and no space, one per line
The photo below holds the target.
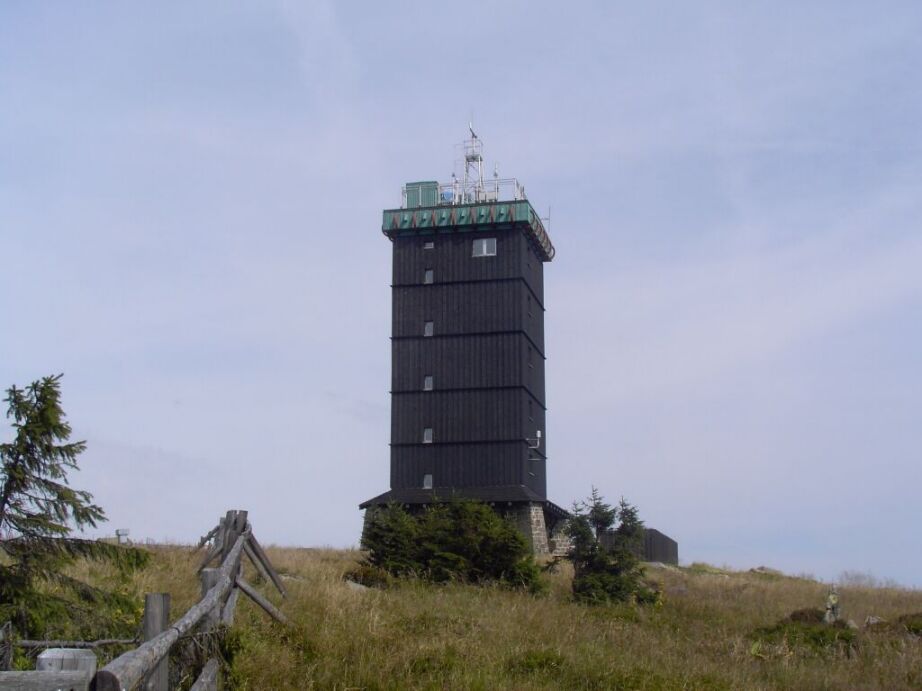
609,572
38,511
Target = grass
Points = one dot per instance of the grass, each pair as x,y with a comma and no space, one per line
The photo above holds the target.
717,629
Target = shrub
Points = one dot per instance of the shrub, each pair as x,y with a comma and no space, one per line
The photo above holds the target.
610,572
455,541
912,622
806,629
817,637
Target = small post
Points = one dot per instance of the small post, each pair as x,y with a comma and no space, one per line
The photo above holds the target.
229,534
156,620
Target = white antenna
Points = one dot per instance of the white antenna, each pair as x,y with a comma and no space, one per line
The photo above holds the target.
473,168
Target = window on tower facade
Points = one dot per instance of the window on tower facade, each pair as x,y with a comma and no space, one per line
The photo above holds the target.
429,245
428,276
484,247
427,481
427,383
428,328
427,435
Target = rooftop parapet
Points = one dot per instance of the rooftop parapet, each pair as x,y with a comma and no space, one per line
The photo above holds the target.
468,217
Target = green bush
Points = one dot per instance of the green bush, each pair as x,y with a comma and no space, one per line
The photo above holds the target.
806,629
611,572
455,541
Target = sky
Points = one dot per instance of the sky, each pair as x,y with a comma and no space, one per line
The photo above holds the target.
190,230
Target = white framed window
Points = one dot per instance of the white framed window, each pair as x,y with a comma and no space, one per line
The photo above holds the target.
428,276
427,435
428,383
427,481
429,245
484,247
428,328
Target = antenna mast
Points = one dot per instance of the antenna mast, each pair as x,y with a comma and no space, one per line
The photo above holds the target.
473,167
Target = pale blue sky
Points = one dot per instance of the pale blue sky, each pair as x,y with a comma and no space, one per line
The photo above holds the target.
190,201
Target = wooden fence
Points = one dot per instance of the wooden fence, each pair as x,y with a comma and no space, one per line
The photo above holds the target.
147,666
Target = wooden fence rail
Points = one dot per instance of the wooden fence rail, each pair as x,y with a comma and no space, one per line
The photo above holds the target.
146,667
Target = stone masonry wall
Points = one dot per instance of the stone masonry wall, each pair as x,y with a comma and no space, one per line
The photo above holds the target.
529,519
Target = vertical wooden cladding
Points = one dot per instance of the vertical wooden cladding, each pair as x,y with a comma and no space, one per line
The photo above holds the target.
485,357
660,547
458,466
451,260
466,362
457,416
467,308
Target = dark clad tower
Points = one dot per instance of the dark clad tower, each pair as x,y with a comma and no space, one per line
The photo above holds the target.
467,382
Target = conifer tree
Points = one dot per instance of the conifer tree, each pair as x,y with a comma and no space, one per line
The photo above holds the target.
38,510
606,565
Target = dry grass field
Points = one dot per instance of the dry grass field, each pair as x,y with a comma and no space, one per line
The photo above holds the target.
418,636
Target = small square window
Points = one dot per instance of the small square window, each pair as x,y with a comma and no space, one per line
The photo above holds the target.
427,435
427,481
484,247
427,383
428,329
429,245
428,276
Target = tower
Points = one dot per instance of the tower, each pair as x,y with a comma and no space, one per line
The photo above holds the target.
467,348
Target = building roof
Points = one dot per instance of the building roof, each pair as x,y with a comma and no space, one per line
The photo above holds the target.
426,220
491,495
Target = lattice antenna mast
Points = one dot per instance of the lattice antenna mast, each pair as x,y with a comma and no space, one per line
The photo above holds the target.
473,188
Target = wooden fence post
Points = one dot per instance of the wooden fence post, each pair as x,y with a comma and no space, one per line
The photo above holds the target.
156,619
209,580
230,534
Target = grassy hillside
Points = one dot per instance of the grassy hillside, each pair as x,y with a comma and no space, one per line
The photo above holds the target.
460,637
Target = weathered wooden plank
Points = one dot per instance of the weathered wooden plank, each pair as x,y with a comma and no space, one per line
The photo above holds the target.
156,619
126,671
209,556
25,643
45,681
240,521
270,609
204,540
261,555
227,614
208,679
209,580
229,534
255,561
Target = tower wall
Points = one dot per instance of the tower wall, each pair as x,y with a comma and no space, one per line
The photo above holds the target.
483,358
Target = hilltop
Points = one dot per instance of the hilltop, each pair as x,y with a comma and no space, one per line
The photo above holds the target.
716,629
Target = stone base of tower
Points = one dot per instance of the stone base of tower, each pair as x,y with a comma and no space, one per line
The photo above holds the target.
541,523
529,519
